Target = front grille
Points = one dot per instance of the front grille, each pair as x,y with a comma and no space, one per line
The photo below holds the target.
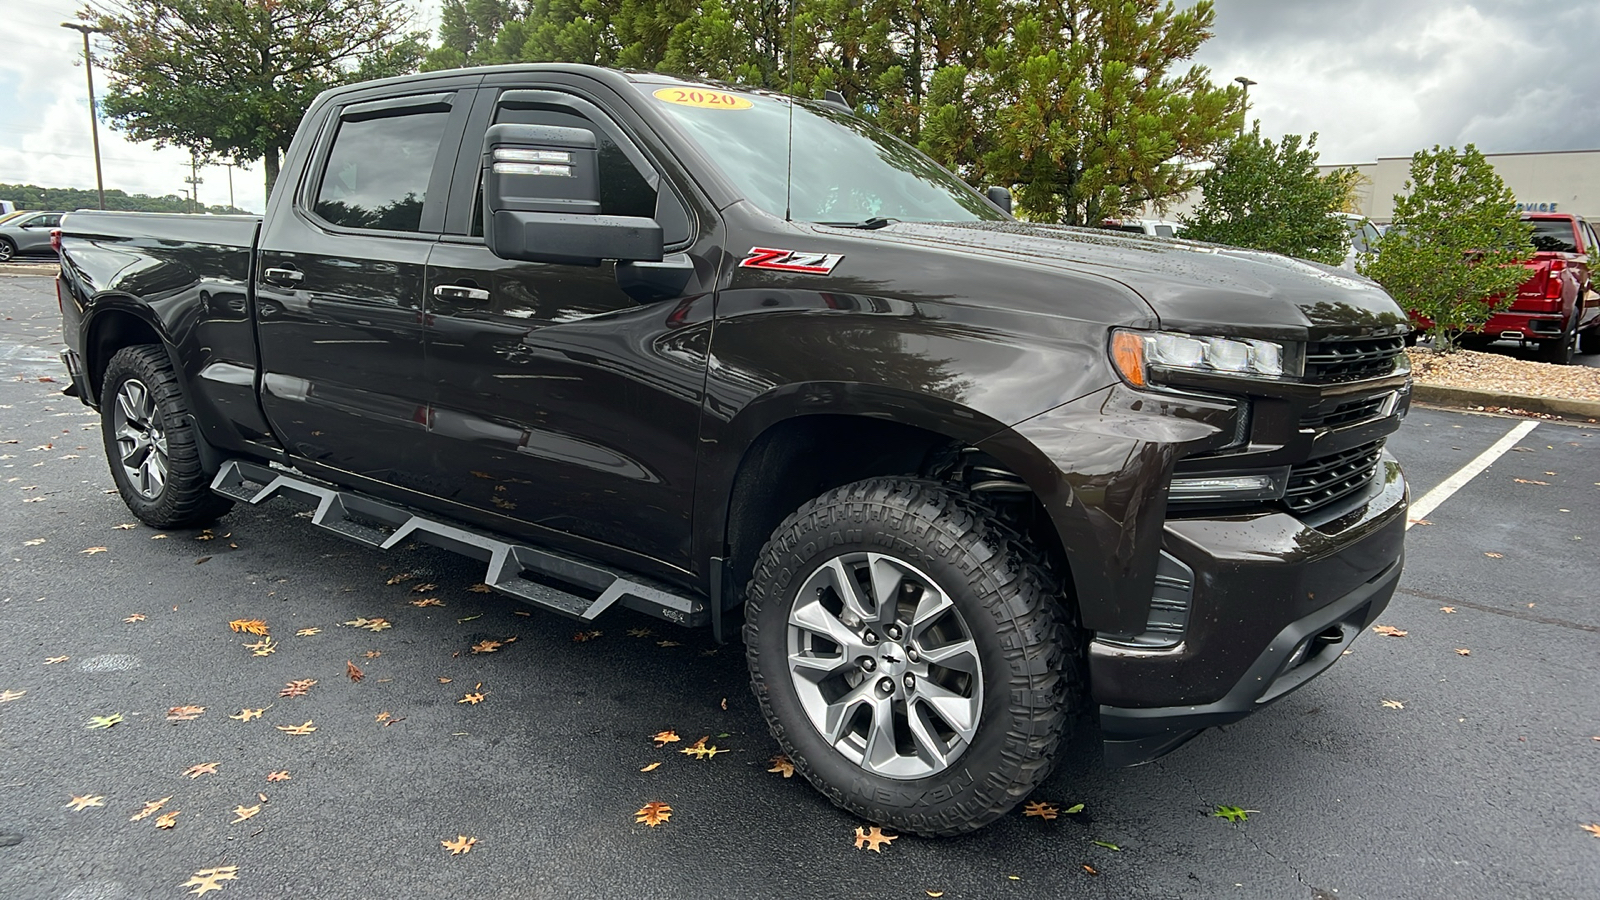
1352,360
1317,482
1344,413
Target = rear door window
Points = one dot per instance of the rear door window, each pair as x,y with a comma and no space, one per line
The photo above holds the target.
1554,236
378,170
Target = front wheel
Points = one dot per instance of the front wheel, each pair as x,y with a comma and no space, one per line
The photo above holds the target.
7,249
911,656
151,443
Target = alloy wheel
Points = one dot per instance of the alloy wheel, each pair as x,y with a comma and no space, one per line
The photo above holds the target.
884,665
141,440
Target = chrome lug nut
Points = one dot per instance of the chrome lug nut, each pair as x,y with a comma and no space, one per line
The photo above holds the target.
912,655
894,632
867,663
886,686
910,681
869,638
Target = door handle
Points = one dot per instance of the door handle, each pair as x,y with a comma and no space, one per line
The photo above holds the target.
292,276
460,292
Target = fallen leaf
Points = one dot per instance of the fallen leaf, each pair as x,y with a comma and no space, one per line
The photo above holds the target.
1447,609
200,561
1231,813
1493,555
699,750
86,801
462,844
1088,868
1107,845
158,537
128,526
1463,651
307,728
168,820
782,765
469,618
355,673
668,644
1421,522
1074,808
1045,811
664,738
583,636
33,543
198,769
93,550
249,626
1389,631
206,879
639,632
403,576
373,624
136,617
486,646
244,812
653,813
933,893
205,535
279,776
480,588
307,632
1592,829
1393,704
263,647
873,839
246,715
424,588
101,721
1531,481
297,688
8,696
651,768
428,601
372,654
150,809
184,713
443,680
472,698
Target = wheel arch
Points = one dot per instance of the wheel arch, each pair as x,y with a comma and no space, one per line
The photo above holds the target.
117,323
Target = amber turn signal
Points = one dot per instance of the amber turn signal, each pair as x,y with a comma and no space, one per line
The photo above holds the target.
1127,354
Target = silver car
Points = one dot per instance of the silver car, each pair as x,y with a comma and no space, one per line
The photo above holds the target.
28,233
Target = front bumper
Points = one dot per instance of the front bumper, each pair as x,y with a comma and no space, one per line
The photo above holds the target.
1274,602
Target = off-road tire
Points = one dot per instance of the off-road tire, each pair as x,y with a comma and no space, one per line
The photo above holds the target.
1559,351
186,500
1014,608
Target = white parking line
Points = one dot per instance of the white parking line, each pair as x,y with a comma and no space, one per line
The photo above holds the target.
1431,500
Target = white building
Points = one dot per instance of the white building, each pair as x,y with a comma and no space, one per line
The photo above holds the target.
1553,181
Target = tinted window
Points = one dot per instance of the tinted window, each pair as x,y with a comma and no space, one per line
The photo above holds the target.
377,175
844,169
623,190
1163,231
1553,236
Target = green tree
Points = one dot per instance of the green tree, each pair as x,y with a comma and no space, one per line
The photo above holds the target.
232,78
467,32
1456,243
1268,196
32,196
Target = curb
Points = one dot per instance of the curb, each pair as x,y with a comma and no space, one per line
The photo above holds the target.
1467,397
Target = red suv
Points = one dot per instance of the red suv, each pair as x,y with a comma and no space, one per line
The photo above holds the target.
1555,307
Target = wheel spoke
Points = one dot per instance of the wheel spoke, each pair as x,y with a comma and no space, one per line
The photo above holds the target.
835,574
815,667
930,607
815,618
155,473
961,656
887,576
961,713
929,746
840,712
881,744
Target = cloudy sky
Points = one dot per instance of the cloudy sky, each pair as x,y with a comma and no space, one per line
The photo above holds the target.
1373,77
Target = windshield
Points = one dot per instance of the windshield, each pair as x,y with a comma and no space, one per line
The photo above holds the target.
845,170
1553,236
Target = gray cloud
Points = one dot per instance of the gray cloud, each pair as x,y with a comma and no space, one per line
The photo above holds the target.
1387,77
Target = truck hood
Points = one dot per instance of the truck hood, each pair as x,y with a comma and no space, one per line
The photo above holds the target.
1191,286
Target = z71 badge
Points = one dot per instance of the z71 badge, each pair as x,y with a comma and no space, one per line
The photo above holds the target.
791,261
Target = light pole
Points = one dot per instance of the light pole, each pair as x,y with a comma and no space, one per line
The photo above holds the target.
94,115
1245,82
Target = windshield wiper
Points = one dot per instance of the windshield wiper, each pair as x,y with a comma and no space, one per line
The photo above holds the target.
871,224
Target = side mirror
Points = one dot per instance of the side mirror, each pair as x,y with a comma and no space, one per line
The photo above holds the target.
999,196
541,197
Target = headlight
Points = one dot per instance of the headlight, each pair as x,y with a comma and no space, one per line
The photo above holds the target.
1136,352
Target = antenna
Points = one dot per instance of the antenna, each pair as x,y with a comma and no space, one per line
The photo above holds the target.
788,178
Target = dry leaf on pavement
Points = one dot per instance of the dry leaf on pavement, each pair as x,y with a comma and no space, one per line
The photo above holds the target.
150,809
462,844
486,646
873,838
1592,829
424,588
279,776
307,632
664,738
1447,609
473,698
428,601
1463,651
653,813
93,550
86,801
1389,631
651,768
1045,811
297,688
198,769
249,626
782,765
136,617
244,812
206,880
1393,704
8,695
184,713
246,715
168,820
699,750
1493,555
583,636
94,721
353,671
307,728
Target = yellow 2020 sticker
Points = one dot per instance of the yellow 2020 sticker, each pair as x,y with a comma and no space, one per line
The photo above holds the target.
702,98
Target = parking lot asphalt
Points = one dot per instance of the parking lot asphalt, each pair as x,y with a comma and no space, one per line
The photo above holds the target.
1409,770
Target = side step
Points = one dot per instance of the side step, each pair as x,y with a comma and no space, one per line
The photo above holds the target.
551,581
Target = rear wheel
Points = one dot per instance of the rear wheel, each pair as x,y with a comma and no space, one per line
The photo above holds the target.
1558,351
151,442
910,655
7,249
